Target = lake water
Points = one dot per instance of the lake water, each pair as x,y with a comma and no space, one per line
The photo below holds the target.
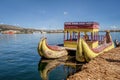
19,59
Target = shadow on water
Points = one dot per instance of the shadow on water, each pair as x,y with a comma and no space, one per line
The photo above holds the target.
58,69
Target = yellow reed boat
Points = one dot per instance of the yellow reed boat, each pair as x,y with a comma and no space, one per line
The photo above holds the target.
86,40
86,53
48,51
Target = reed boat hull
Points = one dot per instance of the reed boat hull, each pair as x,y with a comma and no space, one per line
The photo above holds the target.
52,52
85,53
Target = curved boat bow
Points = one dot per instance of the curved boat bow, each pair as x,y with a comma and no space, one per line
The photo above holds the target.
85,52
48,51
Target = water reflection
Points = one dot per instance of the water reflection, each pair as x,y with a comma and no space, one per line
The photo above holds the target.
58,69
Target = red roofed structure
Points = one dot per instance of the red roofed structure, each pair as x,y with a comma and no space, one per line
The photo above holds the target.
74,30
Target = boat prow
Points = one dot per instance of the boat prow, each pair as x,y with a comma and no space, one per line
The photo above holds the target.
48,51
79,53
86,53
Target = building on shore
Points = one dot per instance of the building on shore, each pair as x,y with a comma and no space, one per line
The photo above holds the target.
10,32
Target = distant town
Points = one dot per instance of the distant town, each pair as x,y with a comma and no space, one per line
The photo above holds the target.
10,29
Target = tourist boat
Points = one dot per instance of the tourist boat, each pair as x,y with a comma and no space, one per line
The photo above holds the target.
84,38
117,43
50,52
85,53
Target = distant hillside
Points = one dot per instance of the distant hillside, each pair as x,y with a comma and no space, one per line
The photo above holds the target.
9,27
4,27
110,30
115,30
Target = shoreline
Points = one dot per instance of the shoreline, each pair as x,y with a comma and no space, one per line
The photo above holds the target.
104,67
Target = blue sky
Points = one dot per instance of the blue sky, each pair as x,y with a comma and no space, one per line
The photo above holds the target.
51,14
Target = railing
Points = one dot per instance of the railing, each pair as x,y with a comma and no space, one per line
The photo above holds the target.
99,38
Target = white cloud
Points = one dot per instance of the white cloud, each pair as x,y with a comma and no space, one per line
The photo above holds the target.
65,13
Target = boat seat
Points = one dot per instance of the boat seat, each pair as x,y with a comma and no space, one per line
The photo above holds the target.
101,47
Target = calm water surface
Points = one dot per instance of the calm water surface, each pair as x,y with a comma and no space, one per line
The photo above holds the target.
19,59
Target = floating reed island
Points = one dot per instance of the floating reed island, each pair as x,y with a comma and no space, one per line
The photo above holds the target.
103,67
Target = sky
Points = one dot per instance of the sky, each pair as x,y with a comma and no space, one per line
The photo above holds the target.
51,14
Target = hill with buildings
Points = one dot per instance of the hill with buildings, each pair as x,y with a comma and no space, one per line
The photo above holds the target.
6,28
19,30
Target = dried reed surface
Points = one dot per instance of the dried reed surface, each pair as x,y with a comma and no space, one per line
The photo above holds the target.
104,67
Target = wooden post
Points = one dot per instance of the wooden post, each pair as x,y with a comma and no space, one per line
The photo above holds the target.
95,35
73,35
78,35
91,36
98,37
67,35
70,36
64,35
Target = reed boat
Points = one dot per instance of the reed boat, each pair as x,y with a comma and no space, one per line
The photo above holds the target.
50,52
86,53
86,40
